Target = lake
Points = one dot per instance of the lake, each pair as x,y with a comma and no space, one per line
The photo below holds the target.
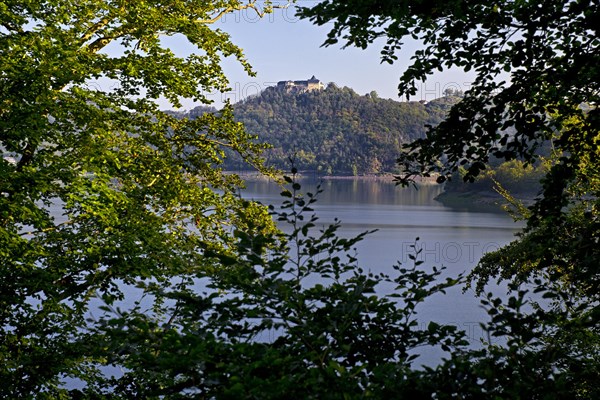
452,238
455,239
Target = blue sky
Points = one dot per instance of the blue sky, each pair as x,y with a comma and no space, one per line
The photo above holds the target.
282,47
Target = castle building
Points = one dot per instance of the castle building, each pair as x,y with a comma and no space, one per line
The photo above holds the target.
301,86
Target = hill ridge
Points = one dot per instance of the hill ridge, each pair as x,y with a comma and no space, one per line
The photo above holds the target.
334,131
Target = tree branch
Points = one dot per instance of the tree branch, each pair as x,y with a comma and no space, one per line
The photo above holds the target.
94,28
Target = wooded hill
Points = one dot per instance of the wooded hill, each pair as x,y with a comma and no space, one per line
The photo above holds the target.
335,131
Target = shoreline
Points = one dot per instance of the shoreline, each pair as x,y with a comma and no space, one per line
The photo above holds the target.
387,177
481,200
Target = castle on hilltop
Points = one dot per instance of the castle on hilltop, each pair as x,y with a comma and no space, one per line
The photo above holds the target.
301,86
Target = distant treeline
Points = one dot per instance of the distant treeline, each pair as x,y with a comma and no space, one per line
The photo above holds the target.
335,131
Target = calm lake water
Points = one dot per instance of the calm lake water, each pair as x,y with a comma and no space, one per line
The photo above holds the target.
455,239
452,238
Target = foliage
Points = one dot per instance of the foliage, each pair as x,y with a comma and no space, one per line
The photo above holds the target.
561,253
515,177
292,316
158,280
544,349
334,131
549,50
99,189
536,82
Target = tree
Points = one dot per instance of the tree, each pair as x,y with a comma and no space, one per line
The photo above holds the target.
536,81
536,66
547,48
141,194
298,318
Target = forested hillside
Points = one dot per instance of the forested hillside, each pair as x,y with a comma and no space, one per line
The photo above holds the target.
334,131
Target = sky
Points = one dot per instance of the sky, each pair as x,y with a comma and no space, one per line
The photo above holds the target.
280,46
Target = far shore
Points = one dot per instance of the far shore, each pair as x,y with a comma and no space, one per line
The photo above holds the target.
254,175
482,200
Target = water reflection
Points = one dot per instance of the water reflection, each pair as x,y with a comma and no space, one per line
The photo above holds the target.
354,191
